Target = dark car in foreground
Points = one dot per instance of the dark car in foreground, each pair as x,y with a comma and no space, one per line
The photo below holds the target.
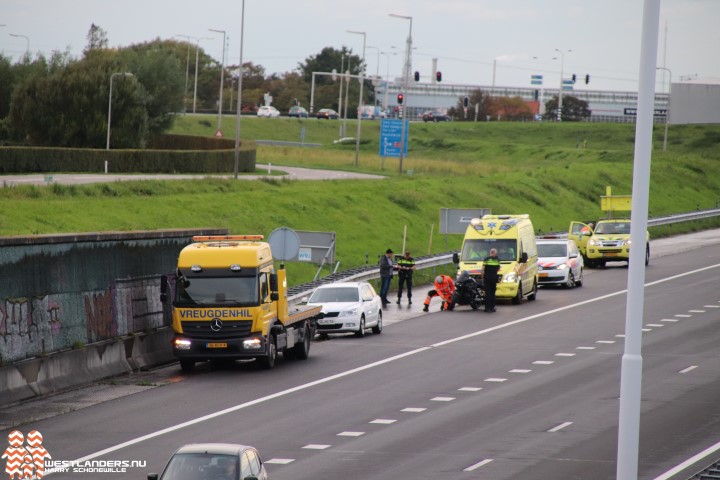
217,461
431,116
298,112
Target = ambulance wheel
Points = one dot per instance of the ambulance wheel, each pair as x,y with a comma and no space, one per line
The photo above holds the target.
268,362
301,350
518,298
533,295
187,364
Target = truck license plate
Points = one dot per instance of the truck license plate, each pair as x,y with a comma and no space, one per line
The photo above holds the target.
217,345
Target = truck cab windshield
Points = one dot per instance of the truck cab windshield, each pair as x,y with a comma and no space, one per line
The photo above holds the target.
217,291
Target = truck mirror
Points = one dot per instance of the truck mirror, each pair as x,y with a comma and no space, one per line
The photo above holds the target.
273,282
456,258
274,296
164,289
523,257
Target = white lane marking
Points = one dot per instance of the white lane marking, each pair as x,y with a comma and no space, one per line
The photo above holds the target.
681,315
654,325
383,421
496,380
620,335
585,348
691,367
314,446
442,399
353,371
280,461
478,465
689,462
560,427
561,354
519,370
696,311
606,341
413,410
470,389
350,434
711,306
543,362
647,329
670,320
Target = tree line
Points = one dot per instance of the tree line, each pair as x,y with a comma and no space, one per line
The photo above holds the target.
481,106
61,101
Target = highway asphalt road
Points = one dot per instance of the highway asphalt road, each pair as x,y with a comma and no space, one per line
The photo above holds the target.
528,392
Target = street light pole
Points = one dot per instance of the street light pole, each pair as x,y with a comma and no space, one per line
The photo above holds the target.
667,109
342,80
360,100
562,67
222,76
187,70
406,70
107,144
27,42
197,55
387,78
239,95
377,70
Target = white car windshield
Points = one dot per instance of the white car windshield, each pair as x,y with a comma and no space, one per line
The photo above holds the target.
335,294
552,250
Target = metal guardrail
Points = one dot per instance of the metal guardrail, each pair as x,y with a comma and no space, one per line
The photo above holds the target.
370,272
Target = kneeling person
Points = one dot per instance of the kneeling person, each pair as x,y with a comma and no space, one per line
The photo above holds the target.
444,288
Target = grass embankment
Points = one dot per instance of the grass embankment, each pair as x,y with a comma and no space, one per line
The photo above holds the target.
554,172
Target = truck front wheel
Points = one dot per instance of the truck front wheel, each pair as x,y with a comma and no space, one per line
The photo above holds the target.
268,362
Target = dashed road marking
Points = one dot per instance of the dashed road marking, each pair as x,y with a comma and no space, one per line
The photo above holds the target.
585,348
314,446
682,315
383,421
350,434
560,427
562,354
620,335
478,465
413,410
606,341
711,306
654,325
670,320
696,311
685,370
280,461
470,389
496,380
543,362
519,370
442,399
647,329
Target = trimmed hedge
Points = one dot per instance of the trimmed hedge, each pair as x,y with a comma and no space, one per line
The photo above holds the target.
168,154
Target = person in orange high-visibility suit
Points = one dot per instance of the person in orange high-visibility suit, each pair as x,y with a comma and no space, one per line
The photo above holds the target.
444,288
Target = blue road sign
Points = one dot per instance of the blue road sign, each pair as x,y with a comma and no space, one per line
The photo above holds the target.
391,137
536,79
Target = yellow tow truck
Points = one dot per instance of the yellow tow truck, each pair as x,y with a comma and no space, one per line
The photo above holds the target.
607,240
228,302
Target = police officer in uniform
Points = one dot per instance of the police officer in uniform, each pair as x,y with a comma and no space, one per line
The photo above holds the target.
491,266
405,267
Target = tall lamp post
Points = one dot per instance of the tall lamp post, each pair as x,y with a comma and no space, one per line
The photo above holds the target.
107,144
387,77
239,96
197,56
562,67
377,70
667,110
406,70
360,100
187,71
27,41
222,76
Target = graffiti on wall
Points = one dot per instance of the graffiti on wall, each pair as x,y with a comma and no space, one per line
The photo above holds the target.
100,320
29,326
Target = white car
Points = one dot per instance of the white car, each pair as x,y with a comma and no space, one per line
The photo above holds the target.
268,111
559,262
347,307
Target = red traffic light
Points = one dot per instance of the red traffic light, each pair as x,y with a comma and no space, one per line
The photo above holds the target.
400,98
438,76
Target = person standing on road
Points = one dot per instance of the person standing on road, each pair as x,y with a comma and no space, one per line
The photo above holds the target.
405,267
444,288
386,273
491,266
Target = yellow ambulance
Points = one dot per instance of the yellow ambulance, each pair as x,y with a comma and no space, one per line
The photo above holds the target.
513,236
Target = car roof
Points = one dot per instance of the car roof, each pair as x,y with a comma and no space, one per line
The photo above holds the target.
562,241
214,448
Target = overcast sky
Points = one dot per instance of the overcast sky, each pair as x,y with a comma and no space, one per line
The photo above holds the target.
466,36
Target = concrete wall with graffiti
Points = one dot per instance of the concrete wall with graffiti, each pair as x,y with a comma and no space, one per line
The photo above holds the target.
65,291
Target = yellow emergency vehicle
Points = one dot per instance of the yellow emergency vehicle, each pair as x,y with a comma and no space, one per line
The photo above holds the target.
228,302
606,241
513,237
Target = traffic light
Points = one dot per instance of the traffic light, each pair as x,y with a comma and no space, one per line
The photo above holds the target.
417,76
400,99
587,79
574,78
466,102
438,76
537,94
